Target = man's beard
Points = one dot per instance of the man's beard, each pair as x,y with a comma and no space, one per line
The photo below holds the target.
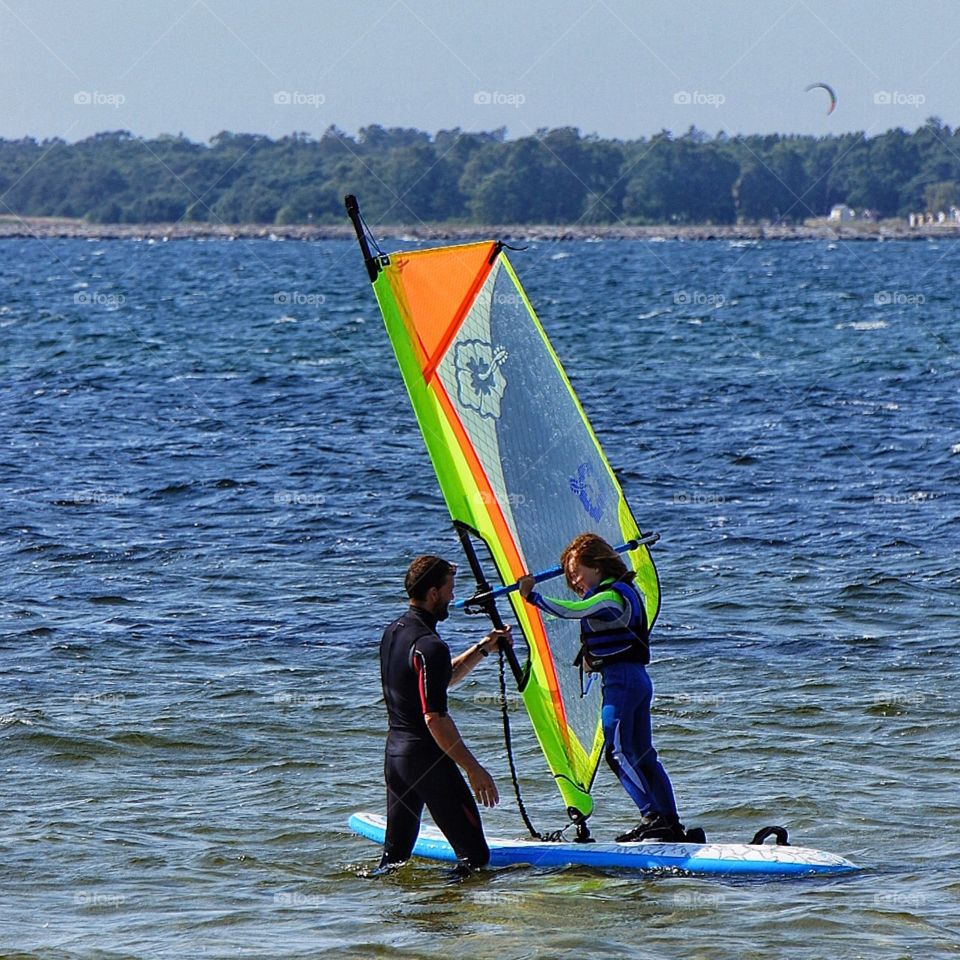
442,612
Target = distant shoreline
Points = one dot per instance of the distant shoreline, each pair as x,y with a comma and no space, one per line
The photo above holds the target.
49,228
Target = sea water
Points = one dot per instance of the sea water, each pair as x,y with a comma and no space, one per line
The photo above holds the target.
212,483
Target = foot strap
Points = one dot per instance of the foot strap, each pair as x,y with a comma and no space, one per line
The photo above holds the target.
779,832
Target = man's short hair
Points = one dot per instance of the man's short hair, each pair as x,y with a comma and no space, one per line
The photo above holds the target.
426,572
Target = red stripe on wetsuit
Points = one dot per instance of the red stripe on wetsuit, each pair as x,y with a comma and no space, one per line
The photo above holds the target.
420,666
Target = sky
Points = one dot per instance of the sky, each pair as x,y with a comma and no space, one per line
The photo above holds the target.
616,68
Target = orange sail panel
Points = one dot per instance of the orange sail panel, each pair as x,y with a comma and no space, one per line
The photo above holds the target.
437,295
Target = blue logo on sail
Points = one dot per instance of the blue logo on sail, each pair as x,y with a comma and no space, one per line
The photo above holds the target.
587,487
480,381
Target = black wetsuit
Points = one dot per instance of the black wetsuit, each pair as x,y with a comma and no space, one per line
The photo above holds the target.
415,669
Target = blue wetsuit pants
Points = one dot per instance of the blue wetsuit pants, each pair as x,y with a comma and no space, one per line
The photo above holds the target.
628,739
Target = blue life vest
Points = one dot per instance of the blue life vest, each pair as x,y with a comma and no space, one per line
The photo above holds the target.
603,644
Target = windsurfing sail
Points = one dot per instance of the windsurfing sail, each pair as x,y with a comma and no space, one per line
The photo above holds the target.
517,462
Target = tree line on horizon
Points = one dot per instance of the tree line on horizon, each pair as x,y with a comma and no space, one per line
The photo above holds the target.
405,176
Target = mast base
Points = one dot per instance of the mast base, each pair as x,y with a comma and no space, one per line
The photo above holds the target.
583,831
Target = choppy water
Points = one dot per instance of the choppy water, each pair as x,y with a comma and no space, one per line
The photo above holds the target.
212,484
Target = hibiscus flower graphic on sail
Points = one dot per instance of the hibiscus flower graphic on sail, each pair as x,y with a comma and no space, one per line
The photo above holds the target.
480,381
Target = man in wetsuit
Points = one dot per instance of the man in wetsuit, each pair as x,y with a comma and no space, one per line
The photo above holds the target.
424,747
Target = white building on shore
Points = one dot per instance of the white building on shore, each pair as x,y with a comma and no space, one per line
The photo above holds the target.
841,213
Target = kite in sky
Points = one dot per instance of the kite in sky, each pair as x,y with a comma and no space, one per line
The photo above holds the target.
829,89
